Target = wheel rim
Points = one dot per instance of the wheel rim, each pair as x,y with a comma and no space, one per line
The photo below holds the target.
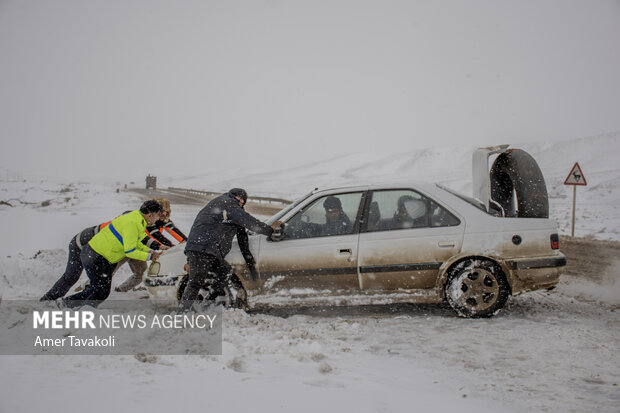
475,289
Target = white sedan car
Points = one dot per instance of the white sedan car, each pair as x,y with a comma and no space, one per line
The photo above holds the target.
402,241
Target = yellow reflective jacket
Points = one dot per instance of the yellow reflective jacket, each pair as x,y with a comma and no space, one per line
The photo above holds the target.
121,238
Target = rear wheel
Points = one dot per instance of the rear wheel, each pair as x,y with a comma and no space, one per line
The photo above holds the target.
476,288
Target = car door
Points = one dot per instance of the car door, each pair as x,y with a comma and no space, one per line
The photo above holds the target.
405,238
313,254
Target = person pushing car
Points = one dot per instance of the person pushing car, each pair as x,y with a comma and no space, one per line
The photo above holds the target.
155,240
210,240
119,239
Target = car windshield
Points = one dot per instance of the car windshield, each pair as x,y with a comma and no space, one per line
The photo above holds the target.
465,198
283,212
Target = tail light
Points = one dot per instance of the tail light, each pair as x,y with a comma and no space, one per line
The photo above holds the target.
555,242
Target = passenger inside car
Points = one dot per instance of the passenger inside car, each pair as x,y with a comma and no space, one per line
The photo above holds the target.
410,213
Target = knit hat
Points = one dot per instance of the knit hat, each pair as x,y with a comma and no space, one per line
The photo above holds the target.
240,193
332,202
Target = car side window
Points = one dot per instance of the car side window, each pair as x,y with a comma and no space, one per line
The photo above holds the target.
441,217
326,216
405,209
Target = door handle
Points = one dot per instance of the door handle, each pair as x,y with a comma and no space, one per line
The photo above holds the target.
347,251
446,244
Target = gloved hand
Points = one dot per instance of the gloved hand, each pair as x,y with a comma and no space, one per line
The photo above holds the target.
249,259
253,272
251,263
154,255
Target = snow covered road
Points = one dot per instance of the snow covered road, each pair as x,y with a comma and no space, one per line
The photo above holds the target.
551,351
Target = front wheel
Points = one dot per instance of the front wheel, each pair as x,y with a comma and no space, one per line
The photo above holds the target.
476,288
234,295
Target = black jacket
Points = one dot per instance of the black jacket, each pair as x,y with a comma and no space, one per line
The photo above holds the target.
217,224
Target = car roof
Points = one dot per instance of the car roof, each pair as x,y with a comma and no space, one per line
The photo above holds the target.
402,184
380,185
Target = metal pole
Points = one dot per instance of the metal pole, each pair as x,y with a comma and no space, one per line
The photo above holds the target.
572,232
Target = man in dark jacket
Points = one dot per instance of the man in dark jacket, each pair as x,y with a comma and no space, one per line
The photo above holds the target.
336,221
210,240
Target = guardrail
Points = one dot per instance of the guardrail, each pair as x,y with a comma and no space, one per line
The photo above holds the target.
207,194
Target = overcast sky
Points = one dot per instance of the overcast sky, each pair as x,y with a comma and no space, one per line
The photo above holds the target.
124,88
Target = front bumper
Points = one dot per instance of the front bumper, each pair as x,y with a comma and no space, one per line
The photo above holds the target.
168,280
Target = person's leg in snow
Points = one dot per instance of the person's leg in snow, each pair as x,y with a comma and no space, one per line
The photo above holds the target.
71,275
202,269
99,271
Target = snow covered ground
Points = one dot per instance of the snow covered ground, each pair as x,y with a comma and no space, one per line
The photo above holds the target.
551,351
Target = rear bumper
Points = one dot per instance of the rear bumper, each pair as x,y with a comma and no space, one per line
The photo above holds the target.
529,274
533,263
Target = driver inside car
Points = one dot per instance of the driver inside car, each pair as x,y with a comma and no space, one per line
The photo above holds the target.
336,222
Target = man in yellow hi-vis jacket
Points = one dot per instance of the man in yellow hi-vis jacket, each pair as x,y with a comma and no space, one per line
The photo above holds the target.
121,238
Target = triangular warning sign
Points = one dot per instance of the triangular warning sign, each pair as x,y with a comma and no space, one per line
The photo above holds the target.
575,177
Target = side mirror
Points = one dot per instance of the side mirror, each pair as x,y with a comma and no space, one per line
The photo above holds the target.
278,234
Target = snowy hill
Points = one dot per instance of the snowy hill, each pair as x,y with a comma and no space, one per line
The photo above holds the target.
449,165
596,203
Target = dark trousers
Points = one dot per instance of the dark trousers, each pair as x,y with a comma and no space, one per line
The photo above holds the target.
203,268
71,275
99,272
74,268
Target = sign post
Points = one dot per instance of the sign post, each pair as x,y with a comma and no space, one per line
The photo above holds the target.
574,178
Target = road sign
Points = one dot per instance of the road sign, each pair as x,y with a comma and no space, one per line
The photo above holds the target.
575,177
